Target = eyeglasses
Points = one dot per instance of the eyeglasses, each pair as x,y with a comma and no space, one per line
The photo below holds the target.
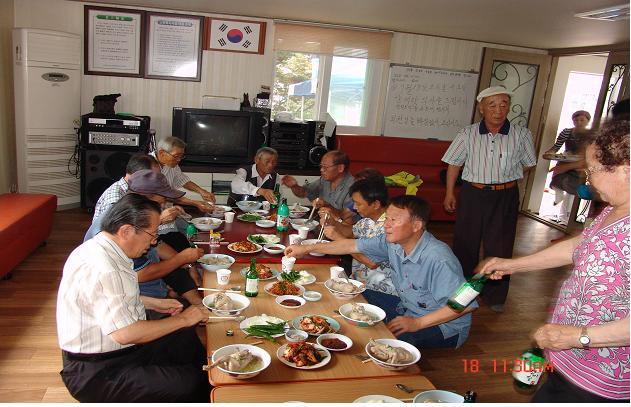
177,157
154,238
326,167
592,170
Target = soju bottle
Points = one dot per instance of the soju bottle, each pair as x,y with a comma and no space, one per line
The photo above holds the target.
191,231
252,280
274,205
529,368
282,216
467,292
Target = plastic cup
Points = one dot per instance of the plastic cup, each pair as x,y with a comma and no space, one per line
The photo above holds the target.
295,239
337,272
303,231
223,276
287,264
229,217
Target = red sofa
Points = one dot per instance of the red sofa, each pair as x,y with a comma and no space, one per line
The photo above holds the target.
393,154
26,221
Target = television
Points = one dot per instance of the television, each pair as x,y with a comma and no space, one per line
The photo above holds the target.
218,137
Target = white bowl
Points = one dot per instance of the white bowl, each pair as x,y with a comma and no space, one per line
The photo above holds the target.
339,294
206,223
399,344
296,223
249,206
371,309
255,350
268,248
282,298
296,335
376,398
341,337
220,210
312,296
264,223
442,395
241,302
314,241
227,261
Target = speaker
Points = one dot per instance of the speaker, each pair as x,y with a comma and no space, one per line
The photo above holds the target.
100,168
265,115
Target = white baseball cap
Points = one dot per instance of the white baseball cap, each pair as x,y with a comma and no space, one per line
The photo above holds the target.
493,90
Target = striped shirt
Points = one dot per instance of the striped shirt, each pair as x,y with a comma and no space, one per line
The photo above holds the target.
98,295
492,158
174,175
109,197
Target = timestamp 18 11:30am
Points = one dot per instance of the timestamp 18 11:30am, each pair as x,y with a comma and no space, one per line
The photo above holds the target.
507,366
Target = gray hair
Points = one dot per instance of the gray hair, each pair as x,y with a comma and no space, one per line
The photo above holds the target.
132,209
265,150
170,143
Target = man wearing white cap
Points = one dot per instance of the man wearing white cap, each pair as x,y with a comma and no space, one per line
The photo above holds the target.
494,154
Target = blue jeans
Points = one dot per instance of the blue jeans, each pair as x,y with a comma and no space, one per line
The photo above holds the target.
431,337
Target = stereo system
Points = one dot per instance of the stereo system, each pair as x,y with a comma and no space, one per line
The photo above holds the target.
299,145
106,144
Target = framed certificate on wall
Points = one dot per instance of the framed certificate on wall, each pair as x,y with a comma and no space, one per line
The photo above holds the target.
235,35
113,41
174,46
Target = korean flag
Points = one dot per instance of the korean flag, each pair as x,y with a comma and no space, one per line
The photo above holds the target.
229,35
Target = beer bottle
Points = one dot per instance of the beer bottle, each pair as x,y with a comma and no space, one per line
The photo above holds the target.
282,216
252,280
274,205
529,368
467,292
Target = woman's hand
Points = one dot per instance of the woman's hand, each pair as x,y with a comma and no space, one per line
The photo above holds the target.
557,337
495,267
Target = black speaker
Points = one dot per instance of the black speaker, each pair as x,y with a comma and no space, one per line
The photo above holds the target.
100,168
265,115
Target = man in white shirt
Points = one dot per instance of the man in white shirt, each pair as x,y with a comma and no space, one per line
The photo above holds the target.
111,353
256,182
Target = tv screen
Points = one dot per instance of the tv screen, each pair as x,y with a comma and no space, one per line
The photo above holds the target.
209,134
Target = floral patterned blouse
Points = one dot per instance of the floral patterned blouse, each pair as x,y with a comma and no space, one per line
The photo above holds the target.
377,279
595,293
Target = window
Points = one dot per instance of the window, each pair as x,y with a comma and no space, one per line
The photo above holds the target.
315,73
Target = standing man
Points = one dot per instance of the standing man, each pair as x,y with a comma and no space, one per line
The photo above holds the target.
169,154
258,180
495,154
332,189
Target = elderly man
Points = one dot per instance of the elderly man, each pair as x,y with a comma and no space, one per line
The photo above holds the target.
169,154
425,273
258,180
110,352
495,154
332,189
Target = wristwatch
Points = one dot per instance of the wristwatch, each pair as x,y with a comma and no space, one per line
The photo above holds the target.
584,339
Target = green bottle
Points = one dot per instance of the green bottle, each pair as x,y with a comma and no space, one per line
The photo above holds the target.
252,280
274,205
529,368
191,231
467,292
282,216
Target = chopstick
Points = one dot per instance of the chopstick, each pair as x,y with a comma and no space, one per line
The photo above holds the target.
206,242
218,290
312,212
321,234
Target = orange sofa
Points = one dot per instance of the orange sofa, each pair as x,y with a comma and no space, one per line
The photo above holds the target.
26,221
393,154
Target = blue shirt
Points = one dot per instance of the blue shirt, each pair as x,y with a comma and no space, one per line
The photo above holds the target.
424,280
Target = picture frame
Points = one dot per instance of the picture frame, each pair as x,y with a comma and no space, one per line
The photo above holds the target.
174,46
113,41
229,35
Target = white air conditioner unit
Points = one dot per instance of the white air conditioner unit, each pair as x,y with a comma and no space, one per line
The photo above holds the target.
47,80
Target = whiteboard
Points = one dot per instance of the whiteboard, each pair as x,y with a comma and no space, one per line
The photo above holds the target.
427,102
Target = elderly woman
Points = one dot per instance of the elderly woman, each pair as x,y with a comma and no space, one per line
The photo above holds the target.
587,339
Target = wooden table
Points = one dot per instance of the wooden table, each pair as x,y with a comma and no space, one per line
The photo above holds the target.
343,365
330,391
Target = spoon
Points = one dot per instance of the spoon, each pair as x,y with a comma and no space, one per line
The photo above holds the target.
405,388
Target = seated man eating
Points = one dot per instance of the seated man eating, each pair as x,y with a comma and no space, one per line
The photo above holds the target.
256,182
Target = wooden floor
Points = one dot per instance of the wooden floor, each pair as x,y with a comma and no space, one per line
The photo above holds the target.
30,360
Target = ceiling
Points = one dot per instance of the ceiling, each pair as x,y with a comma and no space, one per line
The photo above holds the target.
530,23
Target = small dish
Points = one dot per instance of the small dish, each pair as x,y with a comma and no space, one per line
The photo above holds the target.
296,335
348,341
274,248
280,299
264,223
312,296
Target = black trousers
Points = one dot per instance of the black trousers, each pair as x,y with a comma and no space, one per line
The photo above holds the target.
489,218
557,389
179,279
166,370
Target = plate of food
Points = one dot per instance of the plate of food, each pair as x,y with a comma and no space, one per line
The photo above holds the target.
264,272
241,361
303,355
250,217
283,288
263,238
264,326
316,325
302,277
244,247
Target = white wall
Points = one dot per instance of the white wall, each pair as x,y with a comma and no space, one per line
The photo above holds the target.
588,64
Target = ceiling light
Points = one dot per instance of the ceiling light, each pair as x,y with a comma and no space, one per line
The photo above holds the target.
614,13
